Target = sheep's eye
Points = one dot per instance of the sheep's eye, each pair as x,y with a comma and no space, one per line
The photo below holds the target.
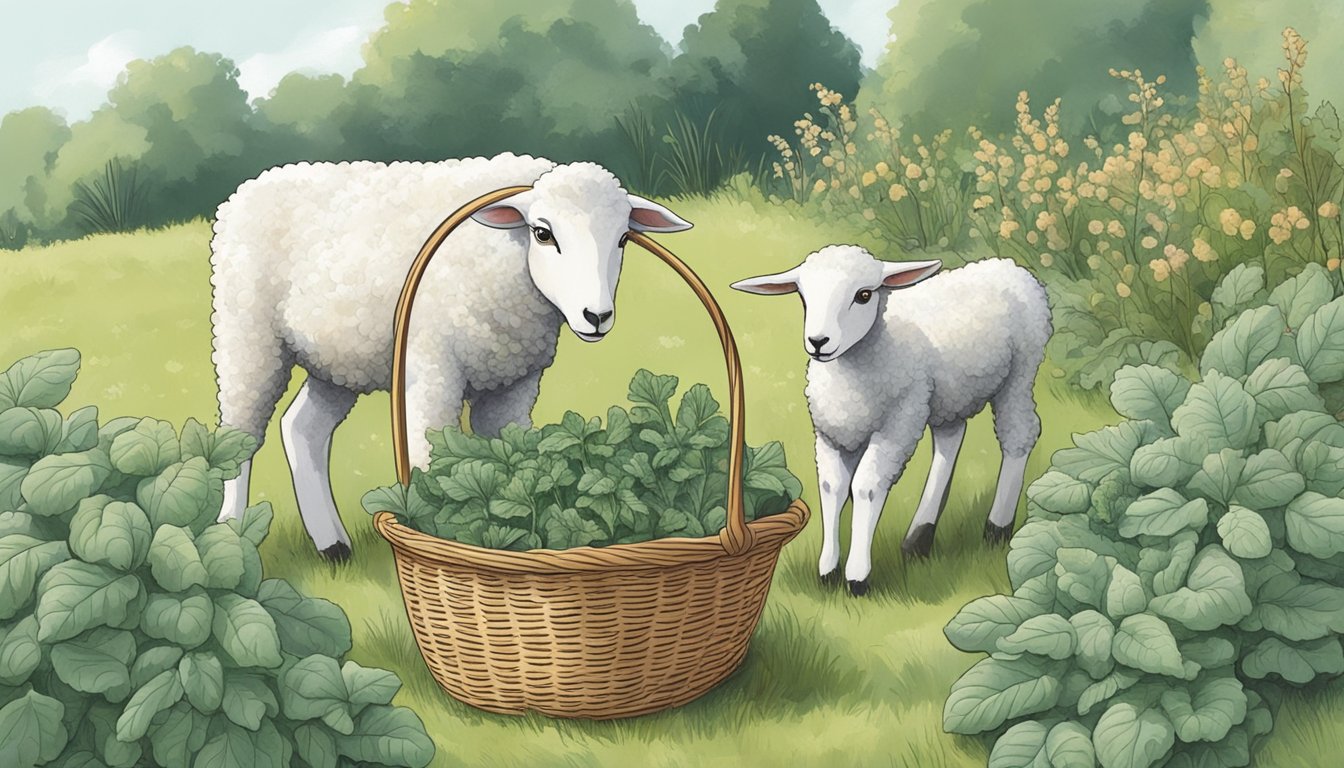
864,296
624,239
543,235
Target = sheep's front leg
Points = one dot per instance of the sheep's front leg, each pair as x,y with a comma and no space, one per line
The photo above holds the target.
306,430
835,470
493,410
434,396
883,461
946,445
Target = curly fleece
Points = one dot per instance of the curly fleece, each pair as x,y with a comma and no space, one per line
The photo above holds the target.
938,353
308,263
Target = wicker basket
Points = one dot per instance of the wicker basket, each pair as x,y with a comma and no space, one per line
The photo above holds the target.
588,632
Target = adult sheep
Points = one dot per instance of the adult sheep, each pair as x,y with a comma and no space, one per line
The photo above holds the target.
886,364
308,263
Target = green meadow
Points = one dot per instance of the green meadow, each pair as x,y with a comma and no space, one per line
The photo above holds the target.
830,680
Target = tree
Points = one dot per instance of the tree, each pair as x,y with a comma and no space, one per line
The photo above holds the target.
29,141
961,62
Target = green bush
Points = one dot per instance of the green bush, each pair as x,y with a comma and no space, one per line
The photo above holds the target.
135,630
1181,568
647,474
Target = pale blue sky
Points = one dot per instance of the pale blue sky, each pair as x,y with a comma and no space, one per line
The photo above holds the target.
66,53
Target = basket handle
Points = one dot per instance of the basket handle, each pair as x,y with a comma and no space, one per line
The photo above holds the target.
735,537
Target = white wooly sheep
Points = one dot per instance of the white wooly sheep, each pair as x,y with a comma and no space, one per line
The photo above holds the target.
887,363
308,264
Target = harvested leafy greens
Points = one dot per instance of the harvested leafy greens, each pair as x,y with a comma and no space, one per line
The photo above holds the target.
644,474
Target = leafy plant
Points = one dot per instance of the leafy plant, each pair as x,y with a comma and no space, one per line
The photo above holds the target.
135,630
114,202
1182,568
646,474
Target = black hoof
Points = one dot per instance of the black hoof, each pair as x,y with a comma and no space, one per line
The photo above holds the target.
920,542
833,579
336,553
858,588
998,534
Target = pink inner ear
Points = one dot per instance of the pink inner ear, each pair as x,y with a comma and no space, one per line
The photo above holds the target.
501,216
647,217
908,277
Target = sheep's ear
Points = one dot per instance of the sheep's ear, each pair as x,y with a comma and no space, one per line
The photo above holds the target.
509,213
770,285
648,216
903,274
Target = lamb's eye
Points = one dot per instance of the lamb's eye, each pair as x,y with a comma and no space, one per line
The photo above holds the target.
864,296
543,235
624,239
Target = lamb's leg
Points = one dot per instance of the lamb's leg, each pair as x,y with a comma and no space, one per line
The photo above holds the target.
252,369
493,410
835,469
1017,427
433,401
881,466
306,430
946,444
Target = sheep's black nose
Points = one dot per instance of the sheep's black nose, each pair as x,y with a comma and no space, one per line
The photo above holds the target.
595,318
818,342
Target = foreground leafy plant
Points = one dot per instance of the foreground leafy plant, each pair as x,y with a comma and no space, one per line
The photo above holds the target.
645,474
135,630
1179,569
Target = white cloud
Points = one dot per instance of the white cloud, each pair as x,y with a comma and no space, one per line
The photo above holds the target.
333,50
103,62
77,84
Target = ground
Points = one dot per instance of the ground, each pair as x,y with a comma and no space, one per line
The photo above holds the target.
830,680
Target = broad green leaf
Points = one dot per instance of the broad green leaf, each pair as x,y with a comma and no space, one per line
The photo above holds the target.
174,560
39,381
178,737
97,662
182,494
202,679
1209,651
388,736
161,692
23,560
1097,454
183,618
1163,512
1118,680
313,689
12,472
1315,525
368,685
115,533
30,432
1238,289
1095,634
1289,434
246,632
1297,663
153,662
1320,343
1214,595
221,553
1031,551
1244,533
995,691
566,529
75,596
1304,610
1298,297
984,621
1124,594
231,747
1127,737
80,431
20,652
248,700
1219,476
1245,343
31,728
1047,635
56,483
1219,412
1058,493
256,522
316,745
1207,710
1168,462
1322,467
1083,575
1268,481
305,625
1280,388
1069,745
1145,642
1147,392
1021,746
146,450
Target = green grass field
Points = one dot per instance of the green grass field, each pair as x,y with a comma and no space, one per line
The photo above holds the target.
829,680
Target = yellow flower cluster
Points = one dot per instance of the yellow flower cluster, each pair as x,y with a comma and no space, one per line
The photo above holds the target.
1282,224
1232,224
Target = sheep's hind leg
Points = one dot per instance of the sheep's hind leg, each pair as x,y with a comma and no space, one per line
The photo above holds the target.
306,430
835,469
493,410
1017,427
946,445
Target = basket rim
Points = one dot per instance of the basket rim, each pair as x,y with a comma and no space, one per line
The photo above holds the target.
772,531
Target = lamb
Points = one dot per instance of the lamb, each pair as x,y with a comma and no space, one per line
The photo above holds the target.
308,262
886,363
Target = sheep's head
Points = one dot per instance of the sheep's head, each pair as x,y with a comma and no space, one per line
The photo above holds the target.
576,218
841,287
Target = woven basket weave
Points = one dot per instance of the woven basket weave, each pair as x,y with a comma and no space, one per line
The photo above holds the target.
588,632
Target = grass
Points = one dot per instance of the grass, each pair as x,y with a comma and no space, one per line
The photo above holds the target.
829,680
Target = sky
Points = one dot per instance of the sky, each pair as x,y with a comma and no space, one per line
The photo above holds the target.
65,54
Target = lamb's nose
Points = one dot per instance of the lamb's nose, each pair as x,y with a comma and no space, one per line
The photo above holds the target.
818,342
595,318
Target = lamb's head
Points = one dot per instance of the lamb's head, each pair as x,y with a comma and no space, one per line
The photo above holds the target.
841,287
576,219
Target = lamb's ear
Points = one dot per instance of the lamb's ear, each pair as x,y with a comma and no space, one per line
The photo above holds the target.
903,274
648,216
770,285
509,213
